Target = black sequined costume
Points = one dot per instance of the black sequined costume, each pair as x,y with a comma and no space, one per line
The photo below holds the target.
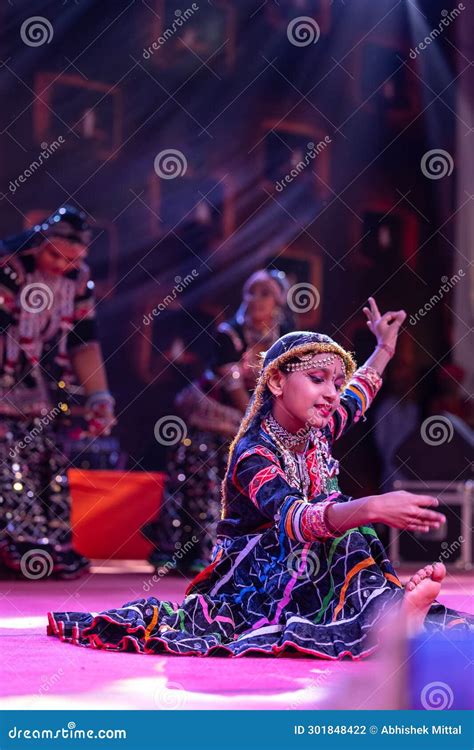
42,319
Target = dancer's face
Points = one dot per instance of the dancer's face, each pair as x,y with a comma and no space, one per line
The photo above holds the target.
58,256
308,396
260,301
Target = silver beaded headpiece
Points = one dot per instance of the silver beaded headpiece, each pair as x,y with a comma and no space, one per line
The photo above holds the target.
307,362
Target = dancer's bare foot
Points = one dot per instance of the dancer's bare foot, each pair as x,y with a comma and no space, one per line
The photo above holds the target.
420,592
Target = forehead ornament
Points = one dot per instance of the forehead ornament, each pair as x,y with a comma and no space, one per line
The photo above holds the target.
308,362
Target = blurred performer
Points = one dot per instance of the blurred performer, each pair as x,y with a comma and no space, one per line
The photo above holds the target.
47,335
212,408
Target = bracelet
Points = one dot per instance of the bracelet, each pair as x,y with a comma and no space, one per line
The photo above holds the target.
314,524
98,397
371,375
387,348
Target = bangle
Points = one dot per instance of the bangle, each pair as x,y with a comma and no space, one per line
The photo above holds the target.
330,528
98,397
371,375
387,348
314,522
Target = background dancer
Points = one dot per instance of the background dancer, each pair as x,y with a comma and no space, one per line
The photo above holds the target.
48,336
212,408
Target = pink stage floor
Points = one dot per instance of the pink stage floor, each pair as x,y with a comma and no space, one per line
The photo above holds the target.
39,672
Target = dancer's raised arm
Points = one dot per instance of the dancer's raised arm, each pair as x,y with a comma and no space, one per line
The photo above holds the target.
385,329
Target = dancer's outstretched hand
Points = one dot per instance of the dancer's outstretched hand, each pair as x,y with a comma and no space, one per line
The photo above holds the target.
384,327
404,510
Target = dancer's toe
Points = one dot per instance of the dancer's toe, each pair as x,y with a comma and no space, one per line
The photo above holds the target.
439,571
420,592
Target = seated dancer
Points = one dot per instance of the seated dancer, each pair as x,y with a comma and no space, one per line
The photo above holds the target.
297,564
48,336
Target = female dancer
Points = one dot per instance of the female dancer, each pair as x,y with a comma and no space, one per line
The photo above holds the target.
47,335
184,532
297,564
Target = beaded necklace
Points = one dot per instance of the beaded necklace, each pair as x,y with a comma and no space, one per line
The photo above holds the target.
295,463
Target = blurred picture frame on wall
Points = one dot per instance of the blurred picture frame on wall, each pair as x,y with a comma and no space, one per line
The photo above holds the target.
88,113
200,37
295,153
281,14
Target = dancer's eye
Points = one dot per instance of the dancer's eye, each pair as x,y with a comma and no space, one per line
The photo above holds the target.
316,378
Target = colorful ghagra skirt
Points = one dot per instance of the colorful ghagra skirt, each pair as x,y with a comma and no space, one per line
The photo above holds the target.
264,594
